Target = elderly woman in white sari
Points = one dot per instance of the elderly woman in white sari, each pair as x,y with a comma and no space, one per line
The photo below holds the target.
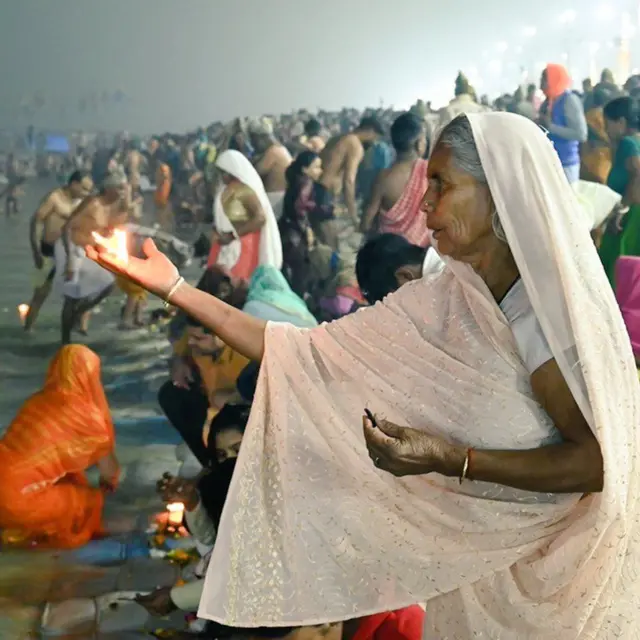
246,231
498,480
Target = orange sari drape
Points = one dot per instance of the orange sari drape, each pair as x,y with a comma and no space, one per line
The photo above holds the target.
58,433
249,256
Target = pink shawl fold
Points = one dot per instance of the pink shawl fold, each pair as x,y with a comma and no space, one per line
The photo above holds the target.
312,532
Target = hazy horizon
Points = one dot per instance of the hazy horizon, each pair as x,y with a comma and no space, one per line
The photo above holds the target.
184,64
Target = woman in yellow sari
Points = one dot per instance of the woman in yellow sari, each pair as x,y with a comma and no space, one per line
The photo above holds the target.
59,432
246,231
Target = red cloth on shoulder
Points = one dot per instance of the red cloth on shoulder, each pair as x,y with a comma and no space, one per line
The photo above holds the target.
403,624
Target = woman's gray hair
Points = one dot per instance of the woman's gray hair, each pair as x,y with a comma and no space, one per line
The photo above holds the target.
458,137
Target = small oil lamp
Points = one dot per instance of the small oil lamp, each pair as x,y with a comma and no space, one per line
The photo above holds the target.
176,513
23,311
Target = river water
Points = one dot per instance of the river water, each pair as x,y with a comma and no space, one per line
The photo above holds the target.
134,365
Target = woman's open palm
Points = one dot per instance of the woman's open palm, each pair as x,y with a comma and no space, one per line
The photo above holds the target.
155,272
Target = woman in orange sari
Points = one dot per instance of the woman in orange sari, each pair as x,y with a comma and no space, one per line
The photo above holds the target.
59,432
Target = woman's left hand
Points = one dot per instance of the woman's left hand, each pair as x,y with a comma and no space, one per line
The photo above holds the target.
402,451
225,239
155,272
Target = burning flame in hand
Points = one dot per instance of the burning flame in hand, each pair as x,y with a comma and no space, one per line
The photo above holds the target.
116,244
23,310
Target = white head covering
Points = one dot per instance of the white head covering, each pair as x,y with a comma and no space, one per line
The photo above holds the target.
549,242
311,532
237,165
597,201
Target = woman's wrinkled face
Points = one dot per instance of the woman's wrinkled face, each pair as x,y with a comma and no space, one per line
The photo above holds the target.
314,170
457,206
228,443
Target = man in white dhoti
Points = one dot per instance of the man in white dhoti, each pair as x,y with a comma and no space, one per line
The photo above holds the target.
501,487
82,282
45,230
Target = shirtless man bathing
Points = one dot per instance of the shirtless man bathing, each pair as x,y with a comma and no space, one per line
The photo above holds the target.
134,162
46,229
271,162
341,158
85,284
14,188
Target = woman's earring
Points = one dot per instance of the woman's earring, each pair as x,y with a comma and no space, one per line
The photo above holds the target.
497,227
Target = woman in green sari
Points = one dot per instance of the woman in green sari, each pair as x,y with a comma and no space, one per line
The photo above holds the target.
622,237
271,298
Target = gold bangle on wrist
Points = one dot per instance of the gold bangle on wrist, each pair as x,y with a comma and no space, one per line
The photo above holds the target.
167,301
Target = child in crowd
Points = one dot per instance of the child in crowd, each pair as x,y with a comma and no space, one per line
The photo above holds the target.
203,498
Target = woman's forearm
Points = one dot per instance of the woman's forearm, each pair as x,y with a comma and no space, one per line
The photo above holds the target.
242,332
251,226
559,468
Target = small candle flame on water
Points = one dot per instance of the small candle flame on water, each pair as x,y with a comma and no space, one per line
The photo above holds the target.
116,244
176,512
23,310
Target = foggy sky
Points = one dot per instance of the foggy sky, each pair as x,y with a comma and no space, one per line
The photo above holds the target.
184,63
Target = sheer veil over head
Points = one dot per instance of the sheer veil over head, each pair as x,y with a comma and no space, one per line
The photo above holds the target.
237,165
312,532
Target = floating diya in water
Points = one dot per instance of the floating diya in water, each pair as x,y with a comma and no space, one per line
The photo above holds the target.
115,244
23,311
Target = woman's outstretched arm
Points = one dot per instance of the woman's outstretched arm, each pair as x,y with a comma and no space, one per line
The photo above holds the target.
157,274
242,332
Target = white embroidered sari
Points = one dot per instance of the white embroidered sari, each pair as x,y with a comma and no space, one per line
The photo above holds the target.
312,532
